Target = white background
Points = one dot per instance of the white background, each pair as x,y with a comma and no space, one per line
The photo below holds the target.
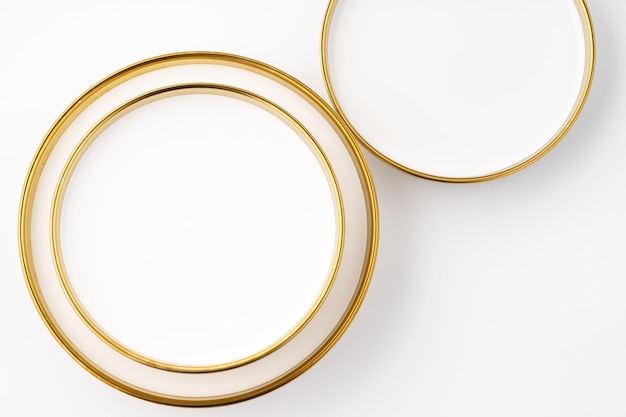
495,299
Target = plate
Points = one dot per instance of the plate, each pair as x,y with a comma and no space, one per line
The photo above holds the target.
317,227
198,229
456,90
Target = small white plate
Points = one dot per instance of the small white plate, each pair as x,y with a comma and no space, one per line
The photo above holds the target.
458,90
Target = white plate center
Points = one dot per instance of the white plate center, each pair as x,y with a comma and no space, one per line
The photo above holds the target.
198,229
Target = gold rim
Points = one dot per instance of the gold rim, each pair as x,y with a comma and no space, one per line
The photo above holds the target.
590,47
129,106
135,70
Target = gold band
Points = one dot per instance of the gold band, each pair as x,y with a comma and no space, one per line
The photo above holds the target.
129,106
57,130
589,36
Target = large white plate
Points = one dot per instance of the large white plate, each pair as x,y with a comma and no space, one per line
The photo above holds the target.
247,337
458,90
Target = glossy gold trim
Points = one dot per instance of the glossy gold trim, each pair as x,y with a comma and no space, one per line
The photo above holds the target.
132,71
129,106
590,61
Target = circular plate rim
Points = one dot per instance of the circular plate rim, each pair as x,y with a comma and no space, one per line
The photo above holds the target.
127,107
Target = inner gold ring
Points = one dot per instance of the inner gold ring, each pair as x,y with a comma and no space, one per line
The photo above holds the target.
127,107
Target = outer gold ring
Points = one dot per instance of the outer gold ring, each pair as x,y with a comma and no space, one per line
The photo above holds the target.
78,106
589,36
129,106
